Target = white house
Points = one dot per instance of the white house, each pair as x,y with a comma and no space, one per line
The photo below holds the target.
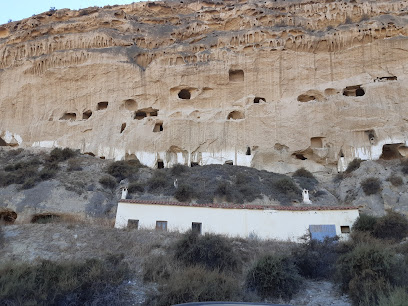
265,222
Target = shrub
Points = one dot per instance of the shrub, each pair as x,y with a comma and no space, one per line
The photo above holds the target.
58,154
274,276
365,223
395,180
404,164
224,190
48,172
196,284
287,186
302,172
210,251
353,165
29,183
184,193
158,180
108,182
367,271
74,165
316,259
135,187
391,226
397,297
87,282
157,268
371,185
123,169
178,169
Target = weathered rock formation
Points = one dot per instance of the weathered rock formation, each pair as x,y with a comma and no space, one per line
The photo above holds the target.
272,84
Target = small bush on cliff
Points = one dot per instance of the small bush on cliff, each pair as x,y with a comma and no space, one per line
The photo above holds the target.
89,282
392,226
316,259
286,186
395,180
211,251
196,284
108,182
59,155
369,271
178,169
371,185
353,165
184,193
365,223
274,276
123,169
135,187
302,172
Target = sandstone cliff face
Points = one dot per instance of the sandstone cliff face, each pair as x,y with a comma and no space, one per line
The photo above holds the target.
275,85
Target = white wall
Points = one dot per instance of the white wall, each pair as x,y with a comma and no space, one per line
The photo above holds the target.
265,224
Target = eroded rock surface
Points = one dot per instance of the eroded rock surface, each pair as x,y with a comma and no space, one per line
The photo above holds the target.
275,85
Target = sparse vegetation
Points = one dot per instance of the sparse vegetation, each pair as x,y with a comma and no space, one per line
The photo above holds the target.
59,155
302,172
274,276
365,223
108,182
212,251
135,187
395,180
353,165
184,193
391,226
73,282
371,185
123,169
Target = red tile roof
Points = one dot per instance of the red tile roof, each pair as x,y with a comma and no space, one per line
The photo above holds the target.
240,206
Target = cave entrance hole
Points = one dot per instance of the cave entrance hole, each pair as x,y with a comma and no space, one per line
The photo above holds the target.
390,151
122,127
102,105
236,75
7,217
259,99
45,218
160,164
184,94
68,116
353,91
158,127
235,115
86,114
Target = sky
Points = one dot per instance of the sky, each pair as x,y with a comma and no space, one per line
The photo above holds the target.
20,9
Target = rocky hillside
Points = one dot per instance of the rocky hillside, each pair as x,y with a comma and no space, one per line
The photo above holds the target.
36,185
274,85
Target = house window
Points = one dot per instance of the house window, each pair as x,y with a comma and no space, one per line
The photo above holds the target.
196,227
133,224
345,229
161,225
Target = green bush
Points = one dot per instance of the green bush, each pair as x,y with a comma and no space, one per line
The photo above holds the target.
196,284
353,165
89,282
365,223
302,172
395,180
368,271
371,185
123,169
108,182
211,251
59,155
184,193
287,186
391,226
135,187
157,181
316,259
157,268
74,164
178,169
397,297
274,276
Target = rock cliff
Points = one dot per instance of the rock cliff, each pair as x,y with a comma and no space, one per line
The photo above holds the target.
276,85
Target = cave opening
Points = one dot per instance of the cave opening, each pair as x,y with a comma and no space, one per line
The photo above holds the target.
69,116
158,127
7,217
102,105
248,151
122,127
86,114
194,164
390,151
184,94
160,164
45,218
259,99
139,115
229,162
236,75
353,91
235,115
